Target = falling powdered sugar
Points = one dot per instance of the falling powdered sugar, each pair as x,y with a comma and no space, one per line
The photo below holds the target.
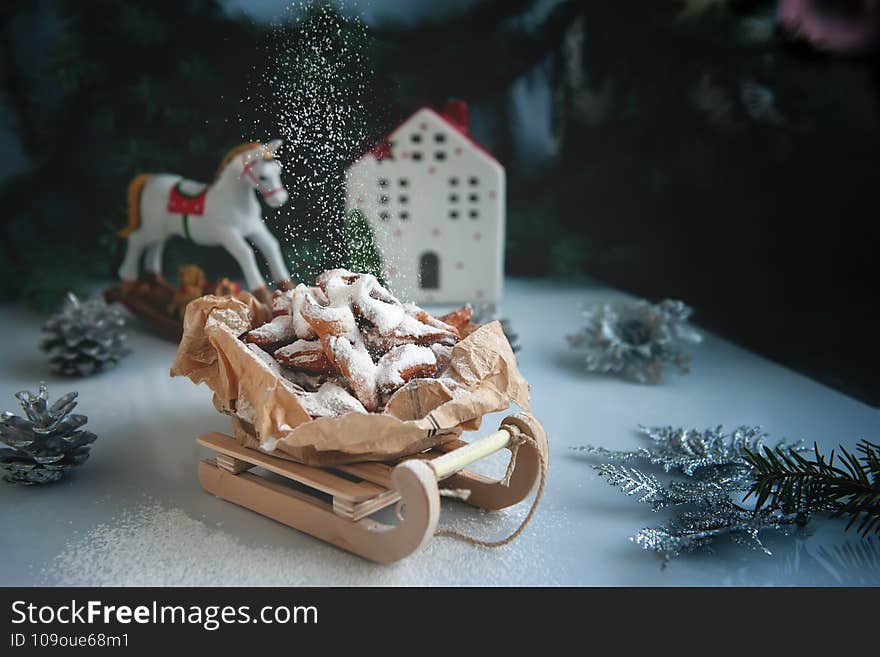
320,91
314,92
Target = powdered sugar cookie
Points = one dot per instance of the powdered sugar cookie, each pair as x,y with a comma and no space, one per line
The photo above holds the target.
271,335
307,355
334,284
458,318
329,321
404,363
281,302
374,303
330,400
349,328
356,365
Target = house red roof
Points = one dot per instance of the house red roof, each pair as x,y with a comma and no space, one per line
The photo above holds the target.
454,114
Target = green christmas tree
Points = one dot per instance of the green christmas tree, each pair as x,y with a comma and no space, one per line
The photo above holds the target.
363,255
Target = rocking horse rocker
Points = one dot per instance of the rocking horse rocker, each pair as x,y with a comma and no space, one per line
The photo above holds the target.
225,213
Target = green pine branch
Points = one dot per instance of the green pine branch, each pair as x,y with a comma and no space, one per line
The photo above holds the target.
363,255
847,485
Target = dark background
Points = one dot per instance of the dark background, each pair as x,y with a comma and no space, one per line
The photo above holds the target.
698,150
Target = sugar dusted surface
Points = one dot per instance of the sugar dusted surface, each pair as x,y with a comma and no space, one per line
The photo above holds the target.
155,544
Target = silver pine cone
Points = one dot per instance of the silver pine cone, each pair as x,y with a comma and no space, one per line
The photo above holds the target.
46,444
85,337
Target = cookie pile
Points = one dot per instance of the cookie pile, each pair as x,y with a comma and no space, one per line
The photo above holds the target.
352,343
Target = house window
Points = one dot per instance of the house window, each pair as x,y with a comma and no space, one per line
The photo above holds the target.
473,181
383,182
403,182
417,156
403,198
453,182
440,156
429,271
453,214
439,137
404,216
416,138
474,214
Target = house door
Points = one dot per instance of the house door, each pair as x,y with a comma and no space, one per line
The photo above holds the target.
429,271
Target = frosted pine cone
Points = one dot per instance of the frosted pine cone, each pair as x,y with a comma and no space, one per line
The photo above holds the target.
46,444
85,337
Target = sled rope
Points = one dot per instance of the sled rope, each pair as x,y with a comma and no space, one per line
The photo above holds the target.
517,438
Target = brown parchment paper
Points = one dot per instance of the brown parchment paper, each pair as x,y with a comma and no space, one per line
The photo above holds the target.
482,378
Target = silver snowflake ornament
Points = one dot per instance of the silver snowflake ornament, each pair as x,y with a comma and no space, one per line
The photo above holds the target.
636,339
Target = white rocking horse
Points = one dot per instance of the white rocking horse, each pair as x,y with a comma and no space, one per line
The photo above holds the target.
226,213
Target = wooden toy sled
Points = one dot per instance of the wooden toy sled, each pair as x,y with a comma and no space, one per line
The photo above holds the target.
335,504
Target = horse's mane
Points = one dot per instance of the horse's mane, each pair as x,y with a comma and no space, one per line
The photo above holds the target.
235,152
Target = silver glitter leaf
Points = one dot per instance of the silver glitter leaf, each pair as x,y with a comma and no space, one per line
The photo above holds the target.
708,479
631,481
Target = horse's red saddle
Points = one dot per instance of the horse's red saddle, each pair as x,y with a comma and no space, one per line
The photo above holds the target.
187,197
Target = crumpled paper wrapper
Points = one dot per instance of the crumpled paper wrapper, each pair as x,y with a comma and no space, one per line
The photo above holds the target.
482,378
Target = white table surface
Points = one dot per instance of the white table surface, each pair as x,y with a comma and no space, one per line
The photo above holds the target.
135,513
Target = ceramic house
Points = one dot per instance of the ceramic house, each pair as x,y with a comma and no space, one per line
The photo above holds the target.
435,201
